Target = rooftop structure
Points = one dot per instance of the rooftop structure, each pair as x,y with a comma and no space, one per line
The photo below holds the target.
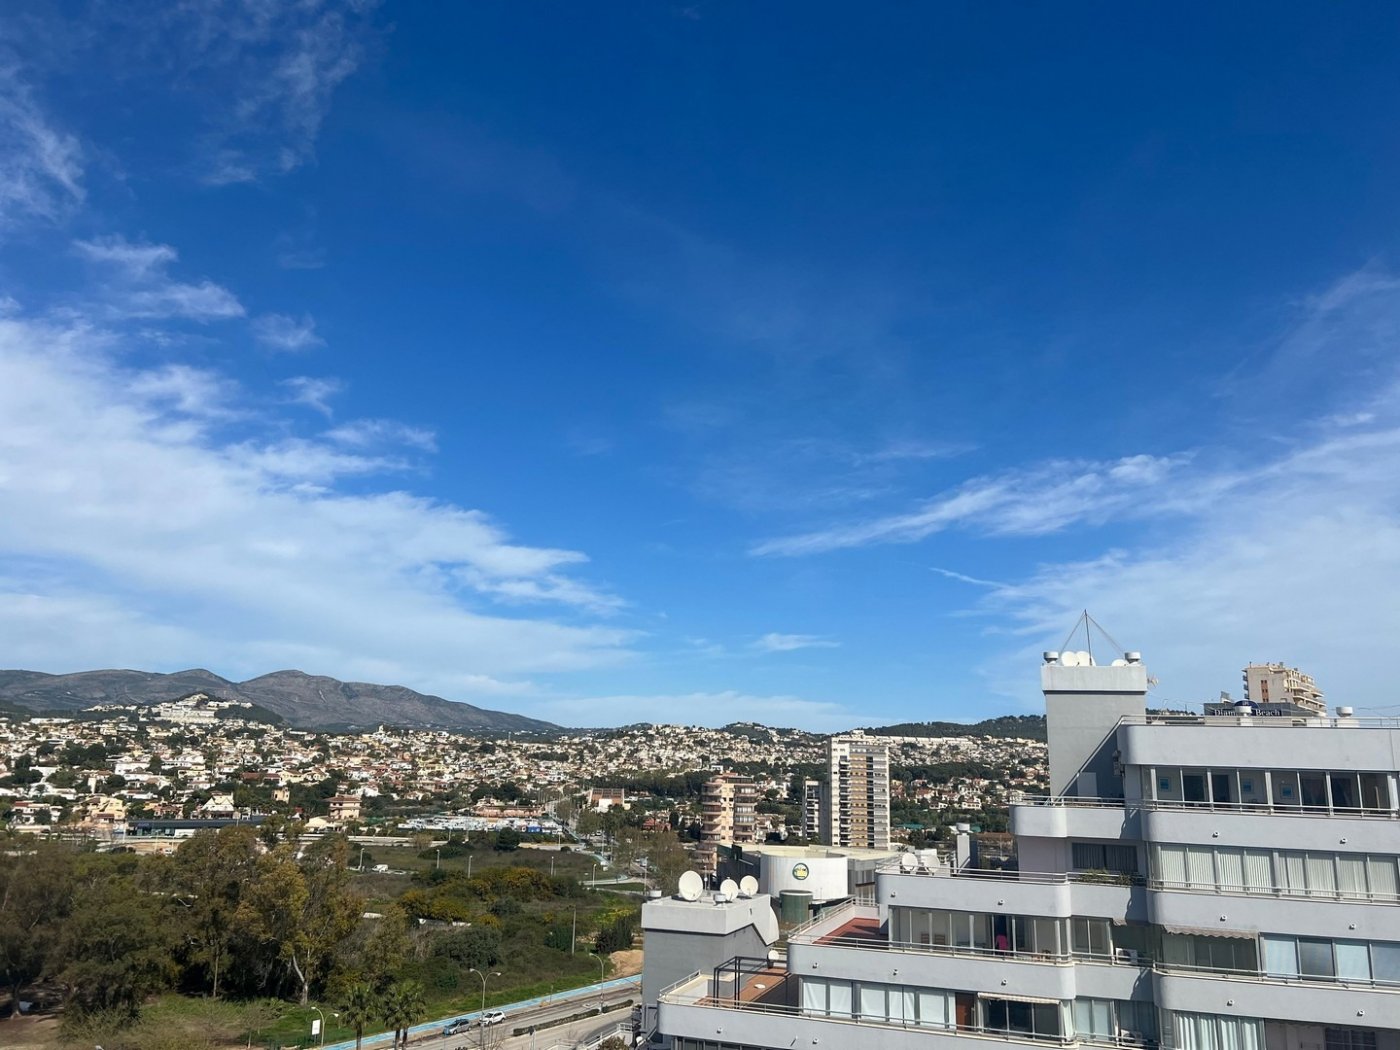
1213,882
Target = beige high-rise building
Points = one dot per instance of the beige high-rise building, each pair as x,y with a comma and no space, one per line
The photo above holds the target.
1277,684
857,812
728,814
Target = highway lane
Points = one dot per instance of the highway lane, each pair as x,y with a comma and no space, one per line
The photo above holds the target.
428,1036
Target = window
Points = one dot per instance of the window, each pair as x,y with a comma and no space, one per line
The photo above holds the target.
1091,937
1210,1032
1093,1020
1100,856
1007,1015
1349,1039
826,998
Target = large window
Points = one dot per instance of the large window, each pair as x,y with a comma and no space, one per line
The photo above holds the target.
1105,1020
1019,934
1105,856
1318,959
1041,1020
1226,954
1291,872
877,1003
1212,1032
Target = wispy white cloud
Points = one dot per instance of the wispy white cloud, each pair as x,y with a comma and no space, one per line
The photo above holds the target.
1299,563
282,64
313,391
370,433
1031,502
244,554
138,285
787,643
41,168
287,334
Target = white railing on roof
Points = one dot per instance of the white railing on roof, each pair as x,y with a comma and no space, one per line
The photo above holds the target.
1253,721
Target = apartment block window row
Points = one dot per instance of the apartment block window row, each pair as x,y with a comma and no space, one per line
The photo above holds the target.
878,1003
1191,1031
976,931
1305,790
1291,872
1317,959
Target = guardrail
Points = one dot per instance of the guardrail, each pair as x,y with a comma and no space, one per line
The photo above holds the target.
1160,805
1261,721
1284,892
1101,878
797,1012
1263,977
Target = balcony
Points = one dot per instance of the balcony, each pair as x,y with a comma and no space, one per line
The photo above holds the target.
1051,894
1304,1001
762,1009
851,942
1061,816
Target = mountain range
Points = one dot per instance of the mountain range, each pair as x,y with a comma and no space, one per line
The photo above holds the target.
305,701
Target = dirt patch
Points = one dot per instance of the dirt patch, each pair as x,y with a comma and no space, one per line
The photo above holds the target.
628,963
29,1033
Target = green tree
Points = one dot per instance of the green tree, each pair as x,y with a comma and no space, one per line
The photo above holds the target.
210,873
301,911
507,839
359,1007
115,949
35,890
404,1006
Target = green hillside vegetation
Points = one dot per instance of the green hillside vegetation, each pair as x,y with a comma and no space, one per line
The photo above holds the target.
241,933
1020,727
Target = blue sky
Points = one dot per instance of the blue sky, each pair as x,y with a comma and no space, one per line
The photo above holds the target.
615,362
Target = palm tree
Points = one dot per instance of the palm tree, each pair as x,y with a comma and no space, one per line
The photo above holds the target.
404,1006
359,1009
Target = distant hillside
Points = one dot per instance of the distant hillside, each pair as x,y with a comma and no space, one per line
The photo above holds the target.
1025,727
305,701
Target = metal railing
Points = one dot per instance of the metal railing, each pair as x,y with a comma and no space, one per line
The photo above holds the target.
1257,720
1287,892
1215,973
1102,878
1134,805
798,1012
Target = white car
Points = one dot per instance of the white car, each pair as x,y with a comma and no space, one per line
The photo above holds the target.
491,1017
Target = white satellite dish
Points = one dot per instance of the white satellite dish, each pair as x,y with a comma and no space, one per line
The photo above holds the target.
691,886
748,886
729,888
907,862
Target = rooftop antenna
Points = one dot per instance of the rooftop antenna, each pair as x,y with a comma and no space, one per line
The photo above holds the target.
1088,625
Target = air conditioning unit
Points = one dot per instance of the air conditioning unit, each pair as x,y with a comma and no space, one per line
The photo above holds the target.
1128,956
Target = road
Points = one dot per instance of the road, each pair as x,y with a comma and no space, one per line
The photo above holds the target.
520,1015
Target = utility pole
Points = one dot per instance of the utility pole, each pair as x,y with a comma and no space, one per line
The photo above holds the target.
573,941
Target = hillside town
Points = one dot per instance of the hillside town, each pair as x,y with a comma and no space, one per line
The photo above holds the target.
119,771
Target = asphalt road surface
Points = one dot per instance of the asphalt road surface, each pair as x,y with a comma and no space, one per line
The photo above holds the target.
522,1015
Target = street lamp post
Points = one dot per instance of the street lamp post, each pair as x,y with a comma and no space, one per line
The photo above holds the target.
362,858
594,880
600,965
438,854
480,1020
322,1016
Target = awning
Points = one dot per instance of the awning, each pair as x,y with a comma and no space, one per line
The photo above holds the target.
1007,997
1208,931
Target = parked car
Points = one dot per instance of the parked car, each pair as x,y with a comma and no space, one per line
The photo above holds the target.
491,1017
454,1027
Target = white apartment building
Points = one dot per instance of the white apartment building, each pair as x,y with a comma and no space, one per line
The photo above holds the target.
857,803
1212,882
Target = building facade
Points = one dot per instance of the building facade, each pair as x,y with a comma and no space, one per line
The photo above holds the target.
1277,684
857,809
728,814
1212,882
